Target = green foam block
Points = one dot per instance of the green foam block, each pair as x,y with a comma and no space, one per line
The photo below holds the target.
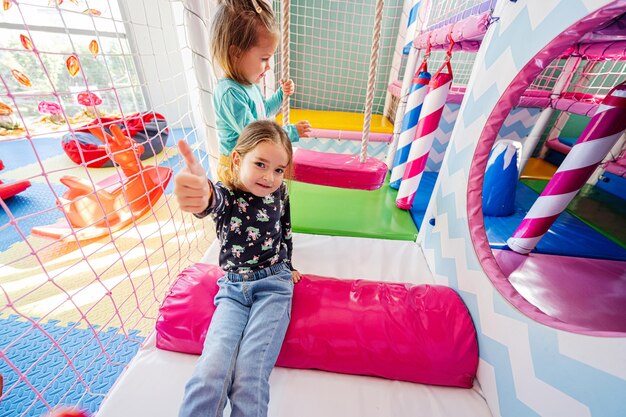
321,210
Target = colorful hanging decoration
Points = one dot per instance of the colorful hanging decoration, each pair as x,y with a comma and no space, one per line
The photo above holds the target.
53,110
7,119
94,48
26,42
92,12
55,2
21,78
91,101
6,4
73,67
87,98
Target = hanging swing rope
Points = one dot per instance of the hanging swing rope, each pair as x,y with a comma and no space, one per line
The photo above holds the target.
285,57
371,80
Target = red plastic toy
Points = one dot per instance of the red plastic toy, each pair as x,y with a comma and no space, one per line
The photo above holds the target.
12,188
68,413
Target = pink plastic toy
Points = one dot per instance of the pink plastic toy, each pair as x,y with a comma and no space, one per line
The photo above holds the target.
415,333
68,413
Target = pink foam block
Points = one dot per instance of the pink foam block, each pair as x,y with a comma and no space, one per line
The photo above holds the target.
349,135
415,333
338,170
616,168
554,143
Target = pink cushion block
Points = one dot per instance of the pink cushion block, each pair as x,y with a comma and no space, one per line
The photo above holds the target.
349,135
558,146
337,170
616,168
416,333
395,88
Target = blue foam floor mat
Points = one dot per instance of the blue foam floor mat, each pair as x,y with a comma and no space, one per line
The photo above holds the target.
18,153
568,236
35,206
99,362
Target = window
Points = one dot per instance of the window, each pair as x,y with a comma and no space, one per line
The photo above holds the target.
41,45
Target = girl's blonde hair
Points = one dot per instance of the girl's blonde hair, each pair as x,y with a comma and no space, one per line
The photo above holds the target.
239,23
255,133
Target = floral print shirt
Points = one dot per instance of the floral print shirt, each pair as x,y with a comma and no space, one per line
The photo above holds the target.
254,232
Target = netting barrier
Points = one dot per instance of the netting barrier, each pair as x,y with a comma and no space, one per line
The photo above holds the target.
78,301
87,254
330,48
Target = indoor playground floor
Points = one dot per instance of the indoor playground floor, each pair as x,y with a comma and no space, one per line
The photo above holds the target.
107,318
602,211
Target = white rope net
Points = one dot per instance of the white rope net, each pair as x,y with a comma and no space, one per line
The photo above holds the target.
77,300
330,52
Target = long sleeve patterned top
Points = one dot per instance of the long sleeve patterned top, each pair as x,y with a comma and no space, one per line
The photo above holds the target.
254,232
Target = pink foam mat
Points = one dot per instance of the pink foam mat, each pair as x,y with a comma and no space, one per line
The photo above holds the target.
416,333
617,168
586,293
338,170
349,135
554,143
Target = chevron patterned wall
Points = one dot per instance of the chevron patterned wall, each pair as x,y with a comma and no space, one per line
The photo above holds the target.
517,126
526,368
442,136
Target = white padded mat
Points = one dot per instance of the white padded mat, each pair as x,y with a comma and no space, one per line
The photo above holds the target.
153,384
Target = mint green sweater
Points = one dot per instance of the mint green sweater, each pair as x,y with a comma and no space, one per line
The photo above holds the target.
238,105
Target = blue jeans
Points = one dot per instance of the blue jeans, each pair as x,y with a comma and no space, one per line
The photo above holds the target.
245,336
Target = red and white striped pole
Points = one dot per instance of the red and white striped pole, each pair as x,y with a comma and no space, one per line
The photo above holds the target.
430,116
603,130
417,93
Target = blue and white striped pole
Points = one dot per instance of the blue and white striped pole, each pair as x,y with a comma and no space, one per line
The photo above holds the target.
411,27
418,90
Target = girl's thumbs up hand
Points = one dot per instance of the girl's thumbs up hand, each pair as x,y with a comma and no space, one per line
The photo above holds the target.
191,186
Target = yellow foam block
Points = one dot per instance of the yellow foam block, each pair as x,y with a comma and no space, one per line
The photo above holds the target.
538,169
338,120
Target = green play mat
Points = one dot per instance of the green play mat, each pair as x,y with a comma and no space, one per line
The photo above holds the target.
322,210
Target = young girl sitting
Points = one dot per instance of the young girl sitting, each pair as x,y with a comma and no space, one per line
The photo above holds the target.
253,304
244,37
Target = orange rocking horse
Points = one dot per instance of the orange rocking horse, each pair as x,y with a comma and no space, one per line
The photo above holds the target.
113,203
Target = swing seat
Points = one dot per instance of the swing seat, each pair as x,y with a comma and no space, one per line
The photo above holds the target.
338,170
